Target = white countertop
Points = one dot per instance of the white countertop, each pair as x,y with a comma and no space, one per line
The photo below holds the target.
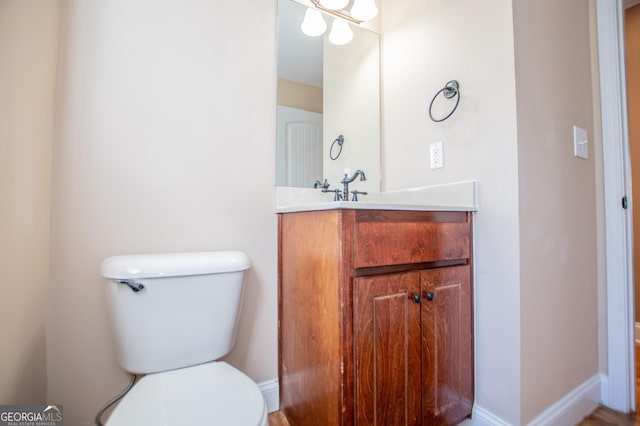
459,196
364,205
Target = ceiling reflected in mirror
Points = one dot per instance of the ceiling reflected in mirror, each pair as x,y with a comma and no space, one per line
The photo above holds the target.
299,56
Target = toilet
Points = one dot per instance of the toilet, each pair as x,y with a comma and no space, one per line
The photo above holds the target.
174,316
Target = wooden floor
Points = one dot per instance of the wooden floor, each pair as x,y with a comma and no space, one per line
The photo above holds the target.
603,416
278,419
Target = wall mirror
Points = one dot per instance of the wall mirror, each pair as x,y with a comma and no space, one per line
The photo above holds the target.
324,91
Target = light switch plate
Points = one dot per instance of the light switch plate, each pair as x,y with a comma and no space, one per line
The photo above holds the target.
580,143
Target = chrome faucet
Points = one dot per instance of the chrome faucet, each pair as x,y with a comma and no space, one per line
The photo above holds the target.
323,185
347,180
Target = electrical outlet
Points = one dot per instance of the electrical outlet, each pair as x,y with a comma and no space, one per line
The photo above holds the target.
437,155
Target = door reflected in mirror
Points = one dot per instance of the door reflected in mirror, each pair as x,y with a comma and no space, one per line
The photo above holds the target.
324,91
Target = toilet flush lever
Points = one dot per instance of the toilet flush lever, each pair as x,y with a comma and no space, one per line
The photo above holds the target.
134,285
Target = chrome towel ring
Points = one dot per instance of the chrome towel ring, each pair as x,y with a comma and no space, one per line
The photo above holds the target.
450,90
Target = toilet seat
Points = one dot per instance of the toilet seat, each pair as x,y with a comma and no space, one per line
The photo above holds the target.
214,393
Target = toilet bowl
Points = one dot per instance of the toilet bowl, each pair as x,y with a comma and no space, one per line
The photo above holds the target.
173,316
214,393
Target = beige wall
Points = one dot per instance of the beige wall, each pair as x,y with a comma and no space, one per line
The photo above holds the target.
299,95
558,256
535,231
165,142
632,40
425,44
28,39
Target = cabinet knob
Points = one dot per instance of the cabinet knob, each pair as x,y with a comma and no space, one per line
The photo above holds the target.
430,296
416,298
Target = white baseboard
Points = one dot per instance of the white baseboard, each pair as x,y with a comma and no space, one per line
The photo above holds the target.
570,410
574,407
271,392
482,417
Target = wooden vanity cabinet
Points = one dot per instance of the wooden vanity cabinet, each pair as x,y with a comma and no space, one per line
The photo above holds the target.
375,317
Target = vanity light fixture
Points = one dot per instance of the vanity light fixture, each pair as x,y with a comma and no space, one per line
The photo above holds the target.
361,10
334,4
314,24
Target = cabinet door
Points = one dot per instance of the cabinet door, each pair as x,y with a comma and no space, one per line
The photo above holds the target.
387,346
447,352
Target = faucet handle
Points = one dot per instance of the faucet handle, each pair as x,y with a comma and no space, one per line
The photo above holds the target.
336,192
355,194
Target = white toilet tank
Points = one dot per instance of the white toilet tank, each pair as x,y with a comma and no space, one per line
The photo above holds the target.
174,310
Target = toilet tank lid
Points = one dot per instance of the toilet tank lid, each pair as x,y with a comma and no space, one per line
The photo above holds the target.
173,264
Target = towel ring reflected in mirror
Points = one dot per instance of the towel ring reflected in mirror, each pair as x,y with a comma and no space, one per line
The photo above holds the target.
339,140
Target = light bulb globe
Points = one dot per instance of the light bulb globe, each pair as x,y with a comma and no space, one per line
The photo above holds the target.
364,10
313,24
340,33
